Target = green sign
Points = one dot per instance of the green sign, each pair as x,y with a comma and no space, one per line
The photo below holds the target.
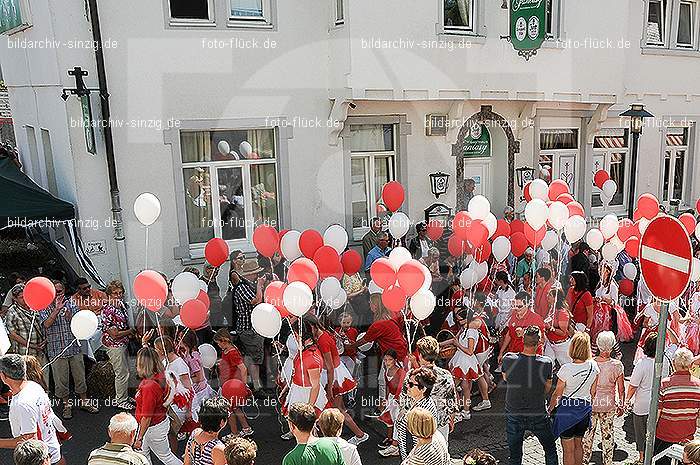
528,19
10,15
88,126
478,143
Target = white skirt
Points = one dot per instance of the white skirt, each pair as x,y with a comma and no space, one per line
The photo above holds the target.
287,369
199,397
343,382
303,394
558,351
484,356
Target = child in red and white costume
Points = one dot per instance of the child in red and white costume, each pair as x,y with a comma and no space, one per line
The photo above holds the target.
308,363
177,376
231,366
649,319
348,335
394,375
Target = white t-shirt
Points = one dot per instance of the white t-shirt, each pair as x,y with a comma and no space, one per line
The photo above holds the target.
642,378
30,412
611,291
505,299
577,378
177,367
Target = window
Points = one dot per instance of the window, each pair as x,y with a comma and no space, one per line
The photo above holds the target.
190,10
686,24
656,22
458,15
552,19
230,179
250,12
558,155
675,164
672,24
610,154
372,164
339,12
48,162
33,154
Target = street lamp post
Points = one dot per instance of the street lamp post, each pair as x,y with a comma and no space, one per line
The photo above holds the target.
636,113
439,183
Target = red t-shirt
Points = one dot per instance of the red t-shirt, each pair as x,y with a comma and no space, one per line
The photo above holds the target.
560,316
541,305
312,360
389,335
228,365
326,344
149,399
394,385
579,312
351,335
529,319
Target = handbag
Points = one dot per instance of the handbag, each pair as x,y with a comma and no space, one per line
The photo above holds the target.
588,375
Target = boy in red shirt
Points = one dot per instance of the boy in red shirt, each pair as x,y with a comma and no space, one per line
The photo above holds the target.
231,366
521,318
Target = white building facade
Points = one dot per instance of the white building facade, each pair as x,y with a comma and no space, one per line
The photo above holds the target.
234,112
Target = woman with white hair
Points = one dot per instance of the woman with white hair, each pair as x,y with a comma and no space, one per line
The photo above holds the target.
609,399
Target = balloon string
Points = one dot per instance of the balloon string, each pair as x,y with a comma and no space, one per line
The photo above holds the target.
301,353
31,329
559,269
146,253
59,355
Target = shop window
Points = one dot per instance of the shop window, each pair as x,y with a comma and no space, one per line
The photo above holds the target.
559,155
610,150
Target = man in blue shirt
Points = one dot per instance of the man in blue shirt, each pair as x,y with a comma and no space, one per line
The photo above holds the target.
379,250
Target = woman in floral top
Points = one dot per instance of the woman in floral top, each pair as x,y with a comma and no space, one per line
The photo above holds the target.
115,338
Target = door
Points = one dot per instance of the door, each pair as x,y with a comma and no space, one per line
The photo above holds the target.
479,171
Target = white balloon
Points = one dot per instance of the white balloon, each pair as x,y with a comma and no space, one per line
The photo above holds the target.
479,207
491,223
500,248
185,287
609,252
422,304
266,320
695,270
427,278
468,259
399,225
558,214
84,324
539,190
609,225
574,229
364,347
223,147
536,212
643,224
298,298
605,199
609,188
147,208
398,256
289,245
549,241
373,288
619,245
468,277
482,270
339,300
207,353
697,231
630,271
245,148
330,288
203,286
337,237
595,239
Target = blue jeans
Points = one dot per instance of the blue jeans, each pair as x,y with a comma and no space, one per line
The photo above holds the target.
540,426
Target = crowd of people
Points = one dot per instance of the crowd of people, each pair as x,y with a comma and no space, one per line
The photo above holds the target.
547,325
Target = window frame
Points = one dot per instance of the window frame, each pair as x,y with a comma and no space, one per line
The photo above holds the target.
556,33
607,163
693,25
671,23
461,30
687,164
557,154
191,22
265,21
339,8
478,29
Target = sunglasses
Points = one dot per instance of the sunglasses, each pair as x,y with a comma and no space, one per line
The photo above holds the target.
84,288
412,384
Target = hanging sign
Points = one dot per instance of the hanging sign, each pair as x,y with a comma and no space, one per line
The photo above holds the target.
528,19
478,143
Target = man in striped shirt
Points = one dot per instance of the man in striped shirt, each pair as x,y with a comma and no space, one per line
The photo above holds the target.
679,404
118,451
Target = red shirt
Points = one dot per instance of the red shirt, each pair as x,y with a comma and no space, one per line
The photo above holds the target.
326,344
388,334
351,335
149,399
394,385
560,316
541,305
529,319
579,312
679,401
228,365
312,360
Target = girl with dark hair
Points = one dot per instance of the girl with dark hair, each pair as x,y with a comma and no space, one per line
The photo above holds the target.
394,375
557,331
580,301
187,348
204,446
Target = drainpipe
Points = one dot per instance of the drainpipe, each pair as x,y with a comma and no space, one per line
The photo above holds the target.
109,147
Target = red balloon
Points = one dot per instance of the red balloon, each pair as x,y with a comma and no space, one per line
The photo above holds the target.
534,237
575,208
477,234
304,270
309,242
193,314
411,277
632,246
526,191
557,188
627,287
150,290
434,230
266,240
481,254
351,261
204,298
688,220
566,199
461,224
235,391
216,251
502,229
600,177
274,293
697,206
393,195
626,229
39,292
457,247
516,226
648,206
394,298
518,243
383,273
327,261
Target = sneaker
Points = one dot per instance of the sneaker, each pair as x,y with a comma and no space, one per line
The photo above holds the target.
287,436
90,408
391,451
483,405
466,415
246,433
181,437
385,443
355,440
67,412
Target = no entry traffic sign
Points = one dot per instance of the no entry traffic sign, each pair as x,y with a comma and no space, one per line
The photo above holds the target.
665,258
